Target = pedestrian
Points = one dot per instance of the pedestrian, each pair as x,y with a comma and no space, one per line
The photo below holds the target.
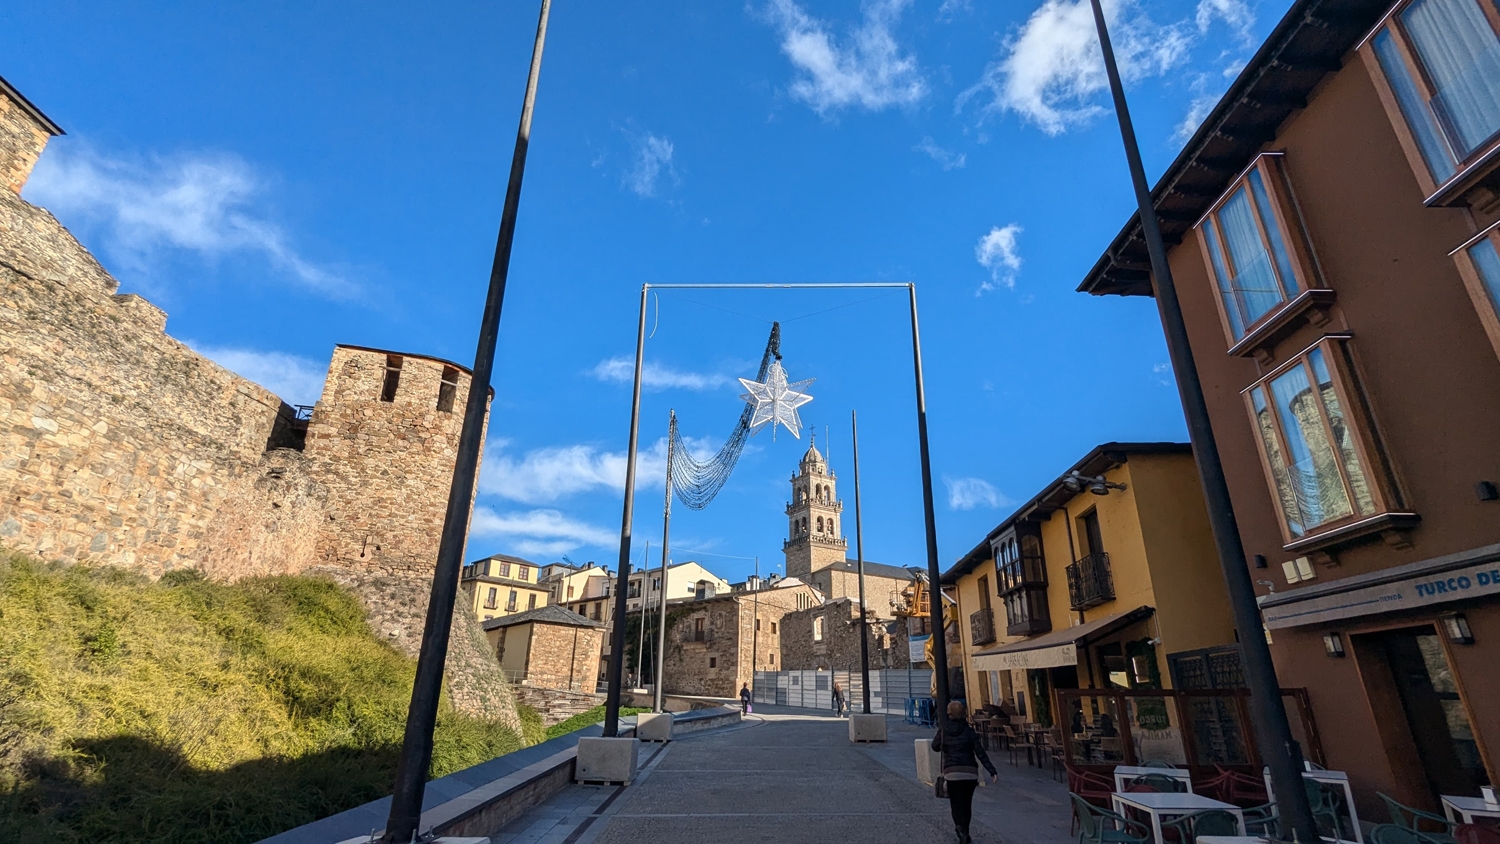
960,748
838,699
745,698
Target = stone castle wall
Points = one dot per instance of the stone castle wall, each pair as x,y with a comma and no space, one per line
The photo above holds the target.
21,143
839,648
721,663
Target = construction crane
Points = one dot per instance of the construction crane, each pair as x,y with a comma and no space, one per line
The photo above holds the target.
916,604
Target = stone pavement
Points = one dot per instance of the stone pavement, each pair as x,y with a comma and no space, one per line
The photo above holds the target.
789,776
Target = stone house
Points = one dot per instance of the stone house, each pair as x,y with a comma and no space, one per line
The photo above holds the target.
826,637
714,646
548,648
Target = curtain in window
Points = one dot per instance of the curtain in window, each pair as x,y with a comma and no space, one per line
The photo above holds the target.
1418,118
1265,423
1313,463
1487,261
1364,501
1461,54
1254,285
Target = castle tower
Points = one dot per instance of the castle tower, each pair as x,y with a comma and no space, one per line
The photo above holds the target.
813,517
383,439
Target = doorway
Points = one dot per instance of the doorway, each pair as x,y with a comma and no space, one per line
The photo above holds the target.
1428,734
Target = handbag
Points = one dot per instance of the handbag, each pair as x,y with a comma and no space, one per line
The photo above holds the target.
940,787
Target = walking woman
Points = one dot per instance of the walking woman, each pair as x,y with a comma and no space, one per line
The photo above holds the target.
963,753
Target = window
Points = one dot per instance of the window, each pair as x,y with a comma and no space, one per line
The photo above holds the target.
818,629
655,584
698,631
570,591
635,589
1249,247
392,378
598,609
984,592
1441,59
492,599
531,601
773,627
523,572
773,657
713,662
757,625
1091,532
510,605
505,569
1479,264
1317,463
448,389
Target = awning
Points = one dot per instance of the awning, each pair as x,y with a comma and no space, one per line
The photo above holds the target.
1058,648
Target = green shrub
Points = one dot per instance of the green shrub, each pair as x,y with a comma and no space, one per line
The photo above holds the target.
185,710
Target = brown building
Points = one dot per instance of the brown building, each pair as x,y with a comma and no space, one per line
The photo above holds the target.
548,648
1332,234
715,646
826,637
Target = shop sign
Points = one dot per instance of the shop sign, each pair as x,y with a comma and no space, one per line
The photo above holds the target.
1414,592
1053,657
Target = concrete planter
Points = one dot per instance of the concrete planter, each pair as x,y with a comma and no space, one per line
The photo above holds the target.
610,760
653,726
929,761
866,727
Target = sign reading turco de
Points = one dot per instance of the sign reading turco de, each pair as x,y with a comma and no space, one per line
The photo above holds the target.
1456,577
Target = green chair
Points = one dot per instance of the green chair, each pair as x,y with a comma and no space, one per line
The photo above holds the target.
1327,805
1098,826
1157,763
1412,819
1158,782
1389,833
1261,820
1210,822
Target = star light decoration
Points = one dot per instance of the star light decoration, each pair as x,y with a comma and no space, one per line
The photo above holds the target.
776,401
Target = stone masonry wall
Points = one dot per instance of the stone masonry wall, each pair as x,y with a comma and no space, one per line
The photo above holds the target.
563,657
839,648
837,582
387,465
729,636
21,143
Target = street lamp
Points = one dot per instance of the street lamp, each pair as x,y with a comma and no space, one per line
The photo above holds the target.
1274,732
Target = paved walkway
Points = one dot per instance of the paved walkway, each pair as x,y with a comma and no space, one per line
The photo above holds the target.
790,776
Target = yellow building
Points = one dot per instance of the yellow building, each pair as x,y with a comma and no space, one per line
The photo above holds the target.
1108,578
502,585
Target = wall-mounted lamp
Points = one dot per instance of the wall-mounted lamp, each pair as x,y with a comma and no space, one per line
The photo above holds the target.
1487,491
1076,481
1333,645
1260,561
1456,628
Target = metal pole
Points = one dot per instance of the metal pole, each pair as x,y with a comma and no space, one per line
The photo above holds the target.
666,538
755,628
640,640
859,559
617,634
939,641
1267,709
421,715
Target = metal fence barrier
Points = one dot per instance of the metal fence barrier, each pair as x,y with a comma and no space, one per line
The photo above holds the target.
889,688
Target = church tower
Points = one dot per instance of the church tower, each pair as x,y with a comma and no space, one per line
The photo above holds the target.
813,517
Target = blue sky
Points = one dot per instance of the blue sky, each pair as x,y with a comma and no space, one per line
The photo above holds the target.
283,177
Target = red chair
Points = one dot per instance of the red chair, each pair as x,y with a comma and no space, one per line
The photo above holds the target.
1095,788
1474,834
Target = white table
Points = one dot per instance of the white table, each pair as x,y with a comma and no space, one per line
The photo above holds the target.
1158,805
1126,773
1231,839
1466,809
1334,778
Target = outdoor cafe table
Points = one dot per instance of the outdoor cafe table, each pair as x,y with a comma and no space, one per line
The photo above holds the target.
1125,773
1466,809
1334,778
1175,804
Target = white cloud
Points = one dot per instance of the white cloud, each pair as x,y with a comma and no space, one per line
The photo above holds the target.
655,376
997,253
544,475
1049,72
948,160
653,159
1162,374
540,533
867,68
297,380
969,493
210,204
1197,110
1236,13
950,8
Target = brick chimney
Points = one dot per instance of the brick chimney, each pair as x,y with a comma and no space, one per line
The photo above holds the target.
24,131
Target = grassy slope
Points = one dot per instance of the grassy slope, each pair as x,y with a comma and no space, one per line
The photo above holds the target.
190,711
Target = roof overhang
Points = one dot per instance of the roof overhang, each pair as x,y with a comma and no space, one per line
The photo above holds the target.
1058,648
1308,44
27,106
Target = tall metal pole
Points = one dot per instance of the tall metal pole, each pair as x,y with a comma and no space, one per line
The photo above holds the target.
666,539
1272,729
859,559
421,714
755,628
622,579
939,642
640,641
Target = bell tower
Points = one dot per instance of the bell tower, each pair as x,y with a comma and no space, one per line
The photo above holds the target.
813,517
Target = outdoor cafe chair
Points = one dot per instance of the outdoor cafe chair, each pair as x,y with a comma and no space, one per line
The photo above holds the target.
1095,788
1101,826
1209,822
1389,833
1474,834
1237,788
1157,782
1261,820
1157,763
1412,819
1327,804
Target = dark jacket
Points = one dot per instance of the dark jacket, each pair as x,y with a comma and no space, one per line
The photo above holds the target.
745,695
960,747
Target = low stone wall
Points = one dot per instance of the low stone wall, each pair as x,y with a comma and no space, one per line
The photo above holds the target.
556,705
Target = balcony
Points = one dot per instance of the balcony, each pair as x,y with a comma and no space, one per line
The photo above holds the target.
1089,582
982,627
